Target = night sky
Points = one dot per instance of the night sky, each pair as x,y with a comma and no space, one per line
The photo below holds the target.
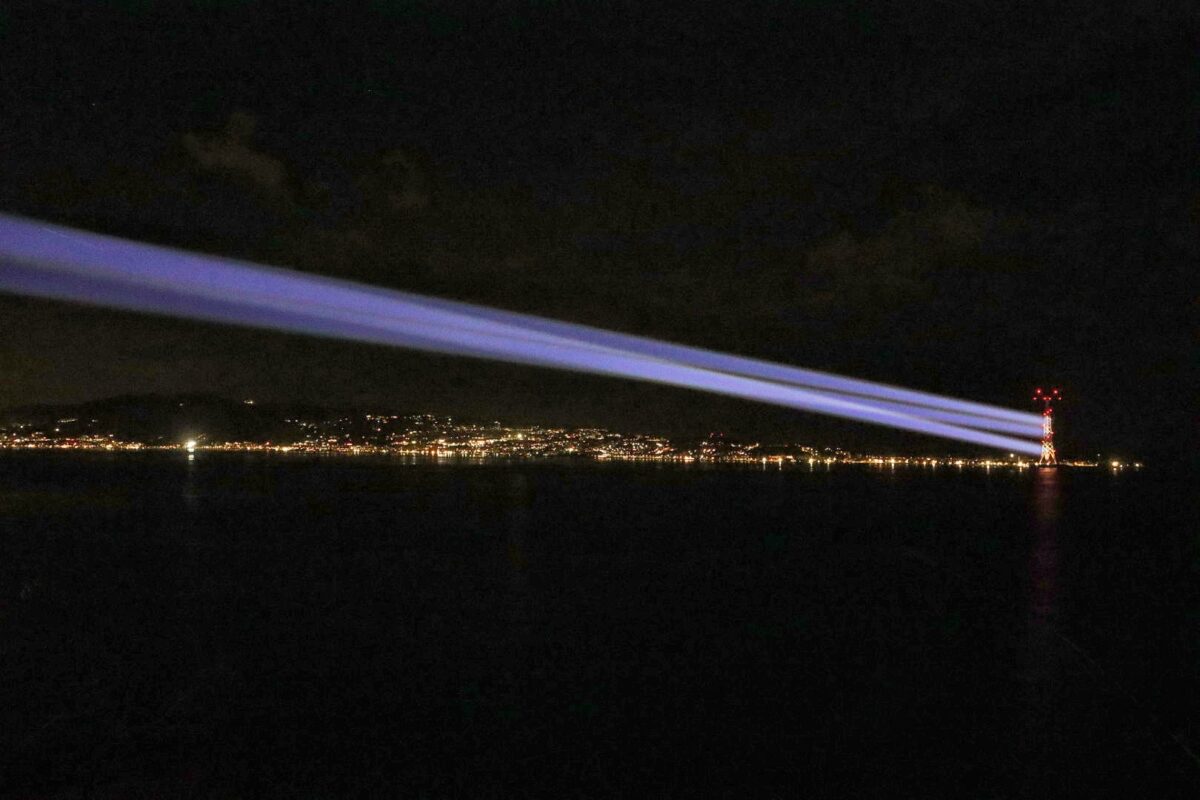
973,198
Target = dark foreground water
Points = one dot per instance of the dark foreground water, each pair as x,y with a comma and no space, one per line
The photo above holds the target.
257,627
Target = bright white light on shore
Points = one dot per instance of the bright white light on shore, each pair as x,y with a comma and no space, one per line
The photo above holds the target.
190,445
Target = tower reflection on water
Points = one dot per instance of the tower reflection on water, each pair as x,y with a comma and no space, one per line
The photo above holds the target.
1044,562
1042,669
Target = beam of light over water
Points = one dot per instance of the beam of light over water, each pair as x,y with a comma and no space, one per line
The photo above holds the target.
61,263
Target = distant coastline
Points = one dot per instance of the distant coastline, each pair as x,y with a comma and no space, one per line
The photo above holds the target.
206,423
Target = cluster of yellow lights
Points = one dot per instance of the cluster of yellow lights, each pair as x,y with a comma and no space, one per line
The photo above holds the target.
443,439
83,442
535,445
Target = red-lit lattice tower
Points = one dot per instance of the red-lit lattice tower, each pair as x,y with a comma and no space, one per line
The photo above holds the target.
1047,399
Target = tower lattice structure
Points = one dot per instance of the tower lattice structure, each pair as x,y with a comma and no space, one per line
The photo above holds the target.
1047,399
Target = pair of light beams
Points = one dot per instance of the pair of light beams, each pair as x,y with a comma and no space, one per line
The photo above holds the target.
65,264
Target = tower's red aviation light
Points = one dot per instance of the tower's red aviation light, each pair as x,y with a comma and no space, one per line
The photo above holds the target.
1048,456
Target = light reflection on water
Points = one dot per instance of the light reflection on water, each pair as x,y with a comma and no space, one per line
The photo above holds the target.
1043,649
191,489
1044,562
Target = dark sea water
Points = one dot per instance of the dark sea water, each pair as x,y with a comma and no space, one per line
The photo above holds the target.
246,626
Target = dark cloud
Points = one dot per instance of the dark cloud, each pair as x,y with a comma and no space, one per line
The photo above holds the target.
906,260
231,153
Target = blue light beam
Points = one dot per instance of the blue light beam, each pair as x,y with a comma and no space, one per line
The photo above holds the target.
50,244
61,263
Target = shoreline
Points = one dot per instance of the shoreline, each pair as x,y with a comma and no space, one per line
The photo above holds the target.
454,456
